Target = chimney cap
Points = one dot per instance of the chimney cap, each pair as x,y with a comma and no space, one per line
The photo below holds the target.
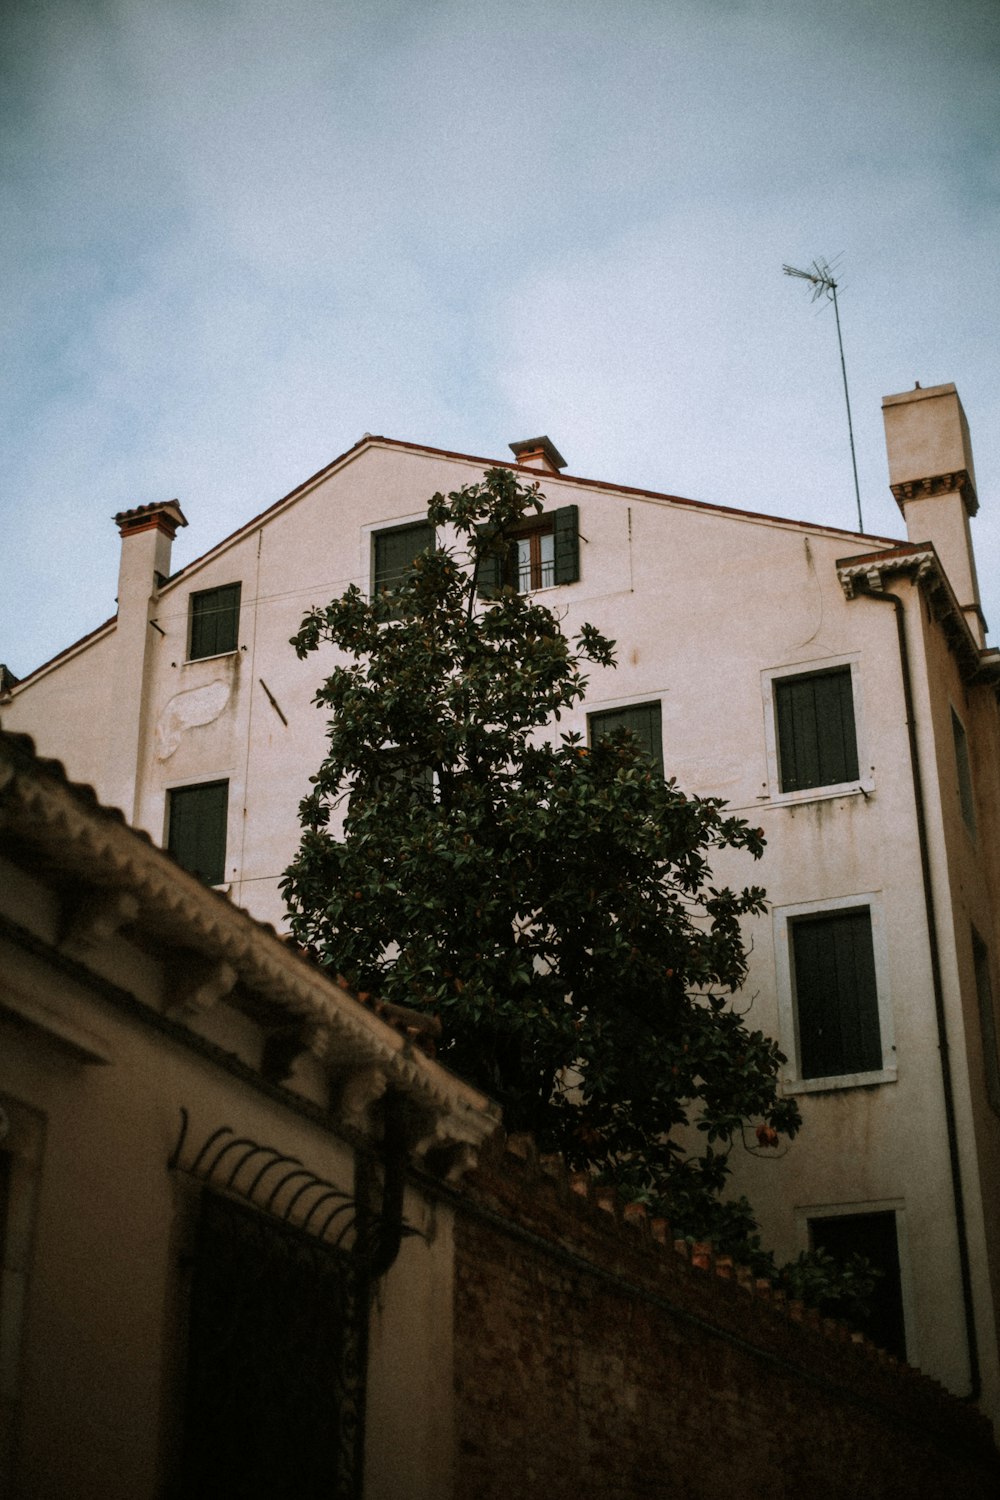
162,515
541,449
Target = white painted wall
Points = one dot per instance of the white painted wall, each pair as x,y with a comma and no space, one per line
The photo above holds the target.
706,605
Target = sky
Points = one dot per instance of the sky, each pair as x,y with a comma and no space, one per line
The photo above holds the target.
236,236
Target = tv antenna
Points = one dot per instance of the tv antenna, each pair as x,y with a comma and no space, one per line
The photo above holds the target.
820,276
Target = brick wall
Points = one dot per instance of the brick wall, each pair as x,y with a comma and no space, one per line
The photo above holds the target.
593,1360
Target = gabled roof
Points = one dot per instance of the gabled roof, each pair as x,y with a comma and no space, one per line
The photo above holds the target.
370,440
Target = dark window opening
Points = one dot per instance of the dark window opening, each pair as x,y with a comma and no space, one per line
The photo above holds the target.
215,621
964,771
988,1029
275,1364
394,551
873,1236
196,829
836,995
817,742
643,721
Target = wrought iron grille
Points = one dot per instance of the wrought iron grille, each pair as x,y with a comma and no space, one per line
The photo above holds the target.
277,1331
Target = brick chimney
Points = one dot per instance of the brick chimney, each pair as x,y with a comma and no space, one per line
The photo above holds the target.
934,483
147,534
538,453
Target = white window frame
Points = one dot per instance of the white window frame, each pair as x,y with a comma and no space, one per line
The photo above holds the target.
792,1081
866,774
895,1206
368,534
635,700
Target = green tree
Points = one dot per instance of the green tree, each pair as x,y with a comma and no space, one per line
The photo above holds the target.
551,902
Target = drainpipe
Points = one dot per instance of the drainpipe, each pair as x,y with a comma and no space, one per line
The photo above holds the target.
382,1232
883,596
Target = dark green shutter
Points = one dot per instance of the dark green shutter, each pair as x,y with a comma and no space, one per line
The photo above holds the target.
817,744
567,544
196,835
215,621
964,769
489,577
987,1019
395,550
836,998
643,721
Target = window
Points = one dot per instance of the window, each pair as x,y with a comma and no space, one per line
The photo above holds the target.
196,828
987,1019
543,551
836,993
394,549
274,1399
873,1235
817,741
964,771
215,621
642,720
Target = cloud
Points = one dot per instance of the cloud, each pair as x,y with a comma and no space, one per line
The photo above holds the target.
239,238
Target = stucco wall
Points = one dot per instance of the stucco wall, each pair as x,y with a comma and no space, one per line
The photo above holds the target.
95,1273
705,605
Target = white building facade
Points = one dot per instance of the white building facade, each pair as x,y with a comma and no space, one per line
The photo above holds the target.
833,687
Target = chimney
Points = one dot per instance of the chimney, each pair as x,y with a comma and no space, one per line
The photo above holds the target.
145,564
934,483
538,453
147,533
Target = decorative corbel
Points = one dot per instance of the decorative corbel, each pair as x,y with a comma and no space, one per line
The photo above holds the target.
96,919
285,1044
446,1152
361,1090
200,985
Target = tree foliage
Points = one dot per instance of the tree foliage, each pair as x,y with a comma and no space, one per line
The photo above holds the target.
552,902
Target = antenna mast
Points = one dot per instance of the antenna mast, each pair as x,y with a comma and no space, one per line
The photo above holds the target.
823,284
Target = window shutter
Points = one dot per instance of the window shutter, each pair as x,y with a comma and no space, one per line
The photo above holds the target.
196,835
964,769
817,743
987,1019
567,544
836,997
215,621
643,721
488,579
395,550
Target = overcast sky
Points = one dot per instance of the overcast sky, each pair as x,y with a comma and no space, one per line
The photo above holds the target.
238,235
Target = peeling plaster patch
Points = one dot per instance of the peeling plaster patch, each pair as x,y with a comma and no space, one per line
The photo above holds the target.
187,711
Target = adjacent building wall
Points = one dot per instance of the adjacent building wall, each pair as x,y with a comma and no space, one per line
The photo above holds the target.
593,1361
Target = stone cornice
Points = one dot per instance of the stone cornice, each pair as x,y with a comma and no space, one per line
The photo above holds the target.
52,826
922,565
938,484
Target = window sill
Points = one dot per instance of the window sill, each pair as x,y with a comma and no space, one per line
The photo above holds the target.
835,1084
192,661
820,794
